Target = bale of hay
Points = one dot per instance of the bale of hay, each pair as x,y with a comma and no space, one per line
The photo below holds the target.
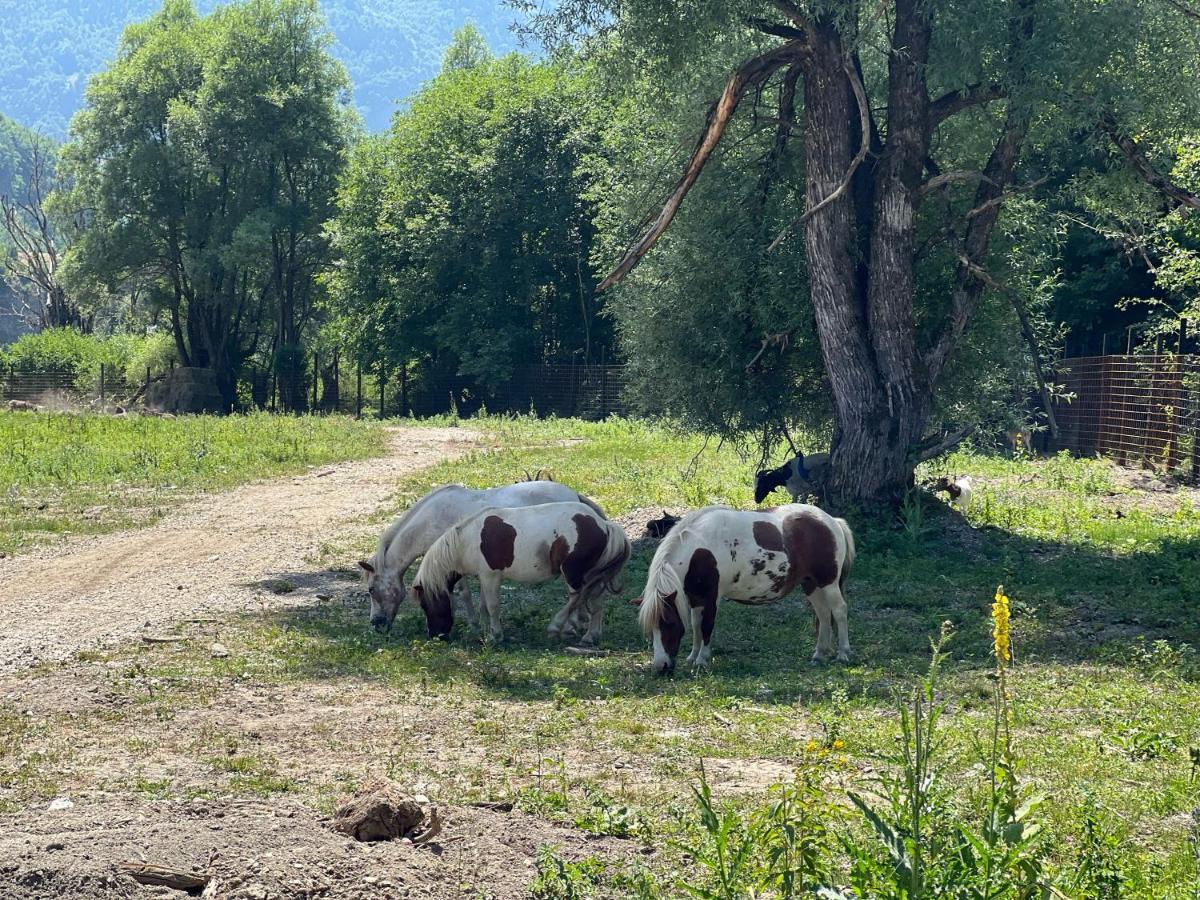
378,812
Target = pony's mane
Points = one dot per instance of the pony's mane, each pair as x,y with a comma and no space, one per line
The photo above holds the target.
389,533
437,565
662,578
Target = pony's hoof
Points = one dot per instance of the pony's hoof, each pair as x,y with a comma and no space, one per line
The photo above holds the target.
843,658
817,661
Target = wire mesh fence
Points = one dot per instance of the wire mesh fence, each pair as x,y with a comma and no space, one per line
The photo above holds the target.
1140,409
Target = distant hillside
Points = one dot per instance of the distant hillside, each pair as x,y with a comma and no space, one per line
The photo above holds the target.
49,48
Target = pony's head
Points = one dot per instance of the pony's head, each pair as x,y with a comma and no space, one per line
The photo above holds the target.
387,593
658,613
658,528
436,603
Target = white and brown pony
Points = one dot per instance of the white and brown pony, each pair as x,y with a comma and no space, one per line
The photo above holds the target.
531,545
413,533
752,557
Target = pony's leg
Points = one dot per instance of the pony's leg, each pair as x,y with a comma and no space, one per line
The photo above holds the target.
595,628
707,619
837,606
820,605
564,617
697,638
489,591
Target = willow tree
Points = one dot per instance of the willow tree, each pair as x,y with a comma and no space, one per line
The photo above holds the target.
913,119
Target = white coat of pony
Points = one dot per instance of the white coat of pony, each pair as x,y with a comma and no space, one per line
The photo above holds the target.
413,533
753,557
531,545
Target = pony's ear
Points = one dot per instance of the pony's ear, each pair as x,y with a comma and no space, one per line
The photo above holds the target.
636,601
418,591
366,566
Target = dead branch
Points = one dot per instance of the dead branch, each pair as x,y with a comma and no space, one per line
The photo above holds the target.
946,444
161,876
864,115
954,102
748,75
1012,192
766,26
1142,165
1018,305
779,339
949,177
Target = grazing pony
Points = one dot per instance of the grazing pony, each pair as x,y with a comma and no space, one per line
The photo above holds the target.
959,489
425,521
658,528
530,544
752,557
798,475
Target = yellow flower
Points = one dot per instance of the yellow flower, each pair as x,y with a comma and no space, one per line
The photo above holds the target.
812,747
1001,642
839,744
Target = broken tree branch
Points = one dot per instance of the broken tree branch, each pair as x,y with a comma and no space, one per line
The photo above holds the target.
1142,165
748,75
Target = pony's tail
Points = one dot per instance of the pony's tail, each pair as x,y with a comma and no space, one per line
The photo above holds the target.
662,582
606,574
592,505
848,562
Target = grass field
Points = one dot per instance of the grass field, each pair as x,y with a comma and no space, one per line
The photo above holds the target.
82,473
1095,799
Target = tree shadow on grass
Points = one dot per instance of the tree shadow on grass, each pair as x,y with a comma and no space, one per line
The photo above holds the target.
1071,605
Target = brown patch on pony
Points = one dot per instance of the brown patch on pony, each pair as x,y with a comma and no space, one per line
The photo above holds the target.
812,554
703,578
767,536
589,547
557,552
497,540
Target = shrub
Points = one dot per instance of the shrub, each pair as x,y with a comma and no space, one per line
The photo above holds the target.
65,350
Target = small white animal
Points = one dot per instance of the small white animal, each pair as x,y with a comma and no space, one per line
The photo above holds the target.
960,491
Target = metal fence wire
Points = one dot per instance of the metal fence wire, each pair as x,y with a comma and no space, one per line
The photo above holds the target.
1140,409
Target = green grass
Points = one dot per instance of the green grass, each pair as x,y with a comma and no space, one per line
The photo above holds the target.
82,473
1105,689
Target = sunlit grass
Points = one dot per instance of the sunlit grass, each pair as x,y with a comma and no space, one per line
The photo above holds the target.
73,473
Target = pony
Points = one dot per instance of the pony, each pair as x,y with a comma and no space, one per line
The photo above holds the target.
658,528
959,490
413,533
531,545
754,557
798,475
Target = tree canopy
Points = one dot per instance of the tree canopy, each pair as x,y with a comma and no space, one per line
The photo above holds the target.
466,232
207,157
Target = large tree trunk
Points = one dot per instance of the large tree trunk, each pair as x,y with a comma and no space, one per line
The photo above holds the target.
878,416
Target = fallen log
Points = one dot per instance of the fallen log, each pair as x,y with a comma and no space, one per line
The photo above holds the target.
161,876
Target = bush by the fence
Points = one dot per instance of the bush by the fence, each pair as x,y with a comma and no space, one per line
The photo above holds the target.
79,356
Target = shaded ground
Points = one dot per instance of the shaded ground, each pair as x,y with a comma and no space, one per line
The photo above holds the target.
203,559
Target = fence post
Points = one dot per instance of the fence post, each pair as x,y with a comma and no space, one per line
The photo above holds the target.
404,390
274,388
101,382
382,380
358,394
1182,333
316,378
146,389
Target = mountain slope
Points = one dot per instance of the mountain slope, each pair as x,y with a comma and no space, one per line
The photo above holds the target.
48,49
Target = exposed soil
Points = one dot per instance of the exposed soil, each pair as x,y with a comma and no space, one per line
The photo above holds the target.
210,557
259,850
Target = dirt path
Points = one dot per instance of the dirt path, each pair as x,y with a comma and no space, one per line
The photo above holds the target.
207,558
